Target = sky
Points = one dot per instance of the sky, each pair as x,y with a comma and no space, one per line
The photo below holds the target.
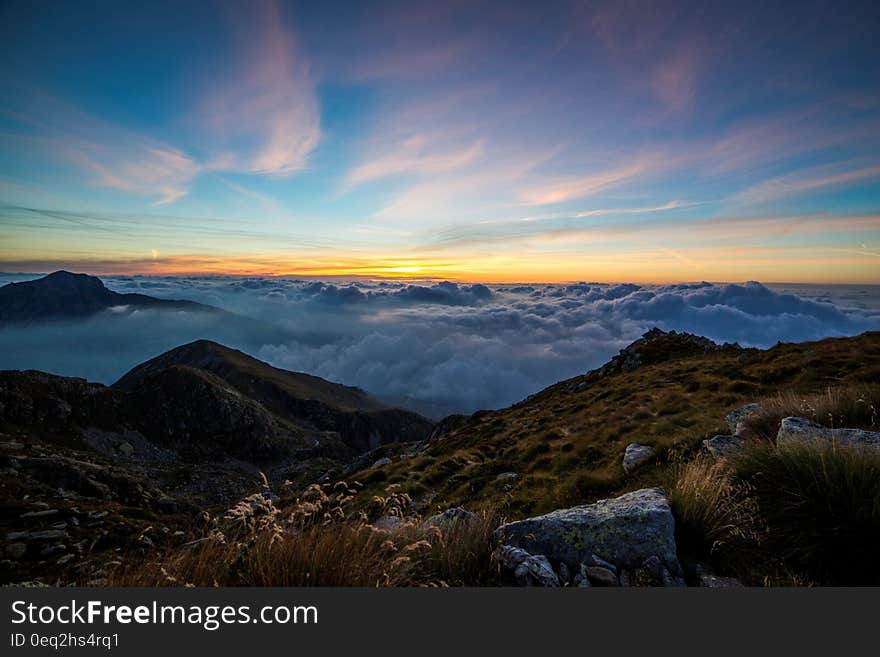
467,141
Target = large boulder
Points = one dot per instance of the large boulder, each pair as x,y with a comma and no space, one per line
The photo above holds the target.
624,531
799,430
635,455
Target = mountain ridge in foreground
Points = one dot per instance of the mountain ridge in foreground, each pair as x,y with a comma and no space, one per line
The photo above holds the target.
90,472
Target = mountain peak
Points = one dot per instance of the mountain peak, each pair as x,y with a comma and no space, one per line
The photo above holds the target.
63,294
656,346
67,279
60,294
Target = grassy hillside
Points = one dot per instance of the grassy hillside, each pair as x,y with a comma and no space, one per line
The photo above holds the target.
564,445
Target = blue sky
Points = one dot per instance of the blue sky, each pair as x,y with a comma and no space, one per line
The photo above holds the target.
648,142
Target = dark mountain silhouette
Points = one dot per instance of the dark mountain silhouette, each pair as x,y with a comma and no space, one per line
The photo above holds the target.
64,295
360,421
205,400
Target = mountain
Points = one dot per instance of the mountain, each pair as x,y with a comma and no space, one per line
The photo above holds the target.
361,421
64,295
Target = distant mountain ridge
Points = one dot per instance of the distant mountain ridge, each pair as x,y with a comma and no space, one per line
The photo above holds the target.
65,295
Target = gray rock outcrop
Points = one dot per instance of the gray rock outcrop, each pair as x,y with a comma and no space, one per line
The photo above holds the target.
626,531
799,430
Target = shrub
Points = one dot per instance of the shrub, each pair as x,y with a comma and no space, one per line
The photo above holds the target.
821,505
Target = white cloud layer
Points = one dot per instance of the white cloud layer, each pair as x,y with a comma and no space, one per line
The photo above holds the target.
443,347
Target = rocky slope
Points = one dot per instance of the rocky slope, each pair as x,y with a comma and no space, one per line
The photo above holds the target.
190,430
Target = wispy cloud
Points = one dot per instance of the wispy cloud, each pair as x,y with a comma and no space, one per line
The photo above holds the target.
110,156
142,169
264,119
418,155
811,180
675,81
267,114
568,188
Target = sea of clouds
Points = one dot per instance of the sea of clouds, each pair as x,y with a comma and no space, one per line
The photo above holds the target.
436,347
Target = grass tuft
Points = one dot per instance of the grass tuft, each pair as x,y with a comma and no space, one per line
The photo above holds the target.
716,515
821,506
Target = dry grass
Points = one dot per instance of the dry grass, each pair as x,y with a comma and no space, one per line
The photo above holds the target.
716,515
839,406
322,539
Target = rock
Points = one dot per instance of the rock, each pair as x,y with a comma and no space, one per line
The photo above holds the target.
635,455
55,548
653,572
40,514
581,579
799,430
625,530
700,574
16,550
599,561
509,478
166,504
388,523
528,569
600,576
658,346
451,517
564,574
743,431
126,449
48,535
723,446
711,581
382,462
739,414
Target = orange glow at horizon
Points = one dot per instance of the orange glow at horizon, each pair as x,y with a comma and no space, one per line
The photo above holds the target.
657,265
